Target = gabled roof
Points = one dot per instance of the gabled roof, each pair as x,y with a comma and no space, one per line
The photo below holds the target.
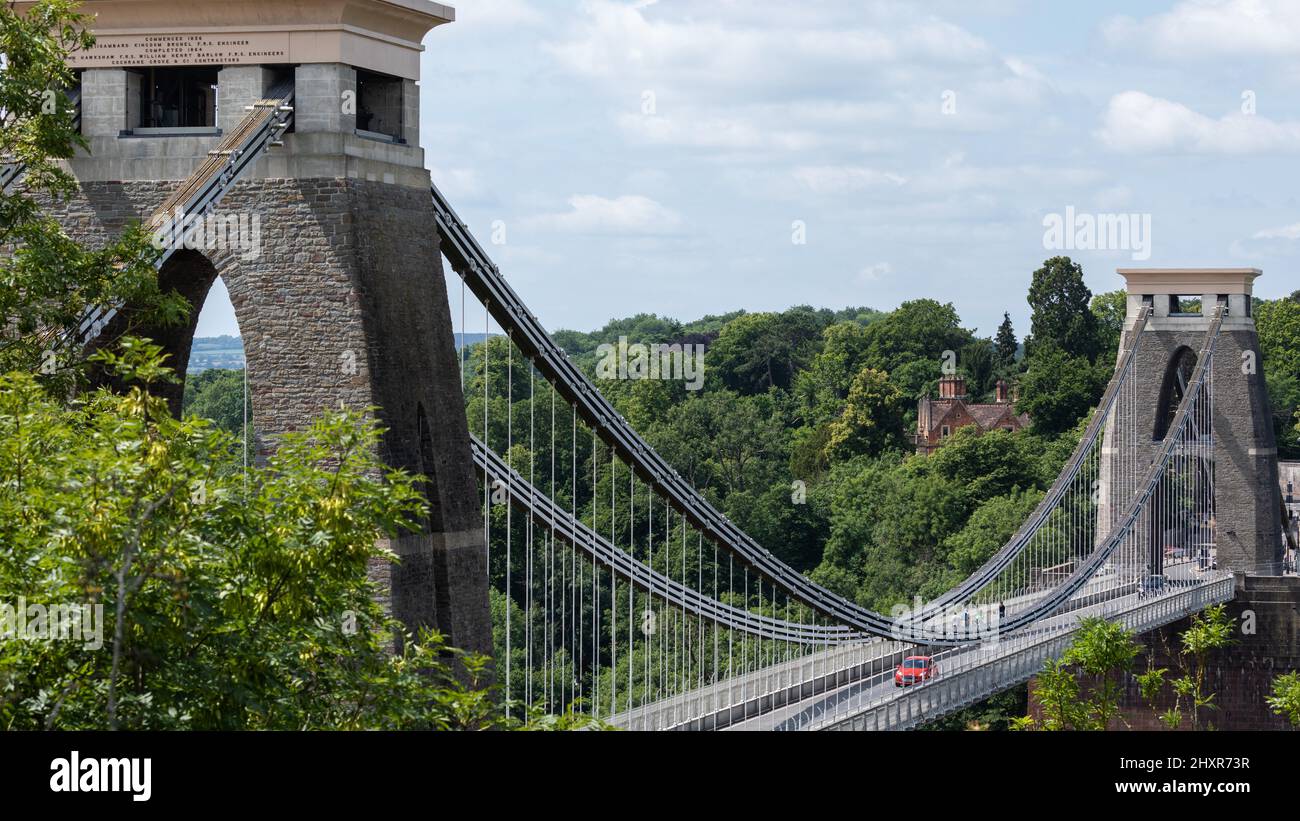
986,415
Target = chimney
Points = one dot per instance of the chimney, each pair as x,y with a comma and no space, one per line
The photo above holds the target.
952,387
1004,393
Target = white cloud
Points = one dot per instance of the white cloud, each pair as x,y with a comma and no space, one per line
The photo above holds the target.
875,272
627,215
711,132
844,179
1268,243
1139,123
768,75
1288,232
497,13
955,175
723,45
1208,28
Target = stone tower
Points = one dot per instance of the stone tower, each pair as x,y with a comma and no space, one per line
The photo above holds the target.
1246,497
341,298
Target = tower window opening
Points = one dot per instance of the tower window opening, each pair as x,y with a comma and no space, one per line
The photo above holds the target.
379,106
1185,305
172,97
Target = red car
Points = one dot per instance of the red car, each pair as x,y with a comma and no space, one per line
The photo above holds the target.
915,669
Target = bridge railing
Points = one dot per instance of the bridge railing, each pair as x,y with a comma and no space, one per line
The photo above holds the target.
971,676
750,694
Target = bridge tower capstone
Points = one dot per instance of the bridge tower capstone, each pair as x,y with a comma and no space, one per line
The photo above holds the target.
339,292
1247,522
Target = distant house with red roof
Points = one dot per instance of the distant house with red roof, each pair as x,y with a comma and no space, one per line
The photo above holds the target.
937,419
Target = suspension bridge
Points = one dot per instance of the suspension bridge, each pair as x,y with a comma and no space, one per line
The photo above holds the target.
615,587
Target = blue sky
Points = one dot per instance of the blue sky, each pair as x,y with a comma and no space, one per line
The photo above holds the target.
660,156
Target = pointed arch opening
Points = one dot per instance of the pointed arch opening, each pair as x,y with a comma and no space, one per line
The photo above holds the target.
1178,373
216,376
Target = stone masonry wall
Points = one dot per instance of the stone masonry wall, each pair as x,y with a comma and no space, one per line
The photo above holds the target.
344,304
1240,676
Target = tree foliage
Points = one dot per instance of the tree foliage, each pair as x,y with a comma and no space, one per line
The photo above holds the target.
1110,308
1080,690
1209,631
756,352
1285,697
218,396
229,600
872,419
48,280
1061,315
1059,389
1005,344
1278,324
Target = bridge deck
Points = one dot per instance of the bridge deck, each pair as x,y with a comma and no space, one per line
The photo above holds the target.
853,685
970,675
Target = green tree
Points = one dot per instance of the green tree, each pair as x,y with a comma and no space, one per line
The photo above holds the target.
872,420
1080,691
1059,389
1285,698
756,352
1278,324
49,280
985,465
723,442
921,329
918,511
1061,315
1110,308
917,378
217,395
748,446
1060,701
230,600
977,361
823,386
1005,343
782,519
1104,651
989,528
1210,630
